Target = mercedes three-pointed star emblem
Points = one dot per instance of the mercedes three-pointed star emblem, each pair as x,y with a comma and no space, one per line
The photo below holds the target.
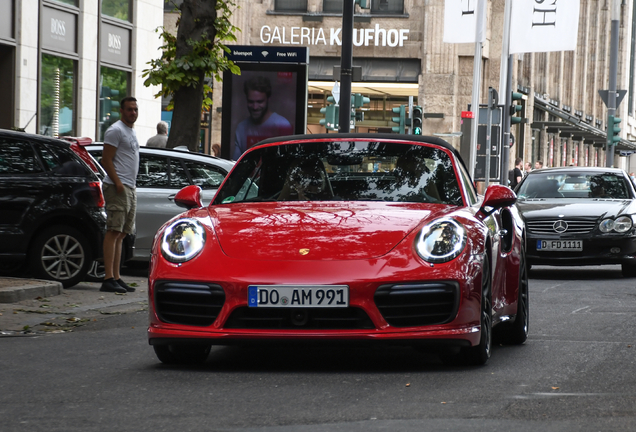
560,226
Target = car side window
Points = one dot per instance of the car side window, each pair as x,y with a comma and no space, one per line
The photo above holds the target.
153,171
18,158
205,176
178,175
62,162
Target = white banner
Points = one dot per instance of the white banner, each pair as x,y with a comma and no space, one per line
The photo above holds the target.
542,26
460,21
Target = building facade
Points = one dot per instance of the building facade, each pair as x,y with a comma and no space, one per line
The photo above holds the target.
66,64
399,46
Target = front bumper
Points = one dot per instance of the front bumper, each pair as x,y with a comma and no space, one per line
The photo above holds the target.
597,250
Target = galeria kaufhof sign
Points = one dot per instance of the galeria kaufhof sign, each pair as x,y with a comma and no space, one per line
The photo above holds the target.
306,36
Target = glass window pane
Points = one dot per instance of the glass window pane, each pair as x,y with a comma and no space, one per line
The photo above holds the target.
387,6
205,176
57,99
171,5
68,2
178,175
119,9
334,6
153,171
18,158
113,88
291,5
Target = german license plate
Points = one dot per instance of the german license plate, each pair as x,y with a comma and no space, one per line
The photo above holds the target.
305,296
560,245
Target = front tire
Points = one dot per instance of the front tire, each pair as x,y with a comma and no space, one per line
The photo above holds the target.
479,354
516,333
179,354
61,254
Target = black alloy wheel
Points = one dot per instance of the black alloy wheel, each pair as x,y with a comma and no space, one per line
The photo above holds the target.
62,254
516,332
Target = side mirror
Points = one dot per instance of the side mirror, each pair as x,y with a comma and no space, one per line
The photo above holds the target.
189,197
498,196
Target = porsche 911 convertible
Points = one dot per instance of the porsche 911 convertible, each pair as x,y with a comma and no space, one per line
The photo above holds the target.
346,238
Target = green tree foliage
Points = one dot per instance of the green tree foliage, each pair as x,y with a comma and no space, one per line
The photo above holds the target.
202,57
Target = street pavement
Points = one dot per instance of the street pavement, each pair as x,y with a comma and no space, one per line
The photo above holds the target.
29,306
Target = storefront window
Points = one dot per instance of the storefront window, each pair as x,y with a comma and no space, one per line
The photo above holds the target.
332,6
113,88
119,9
57,97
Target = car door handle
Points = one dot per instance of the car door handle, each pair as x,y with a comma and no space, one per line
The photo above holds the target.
502,232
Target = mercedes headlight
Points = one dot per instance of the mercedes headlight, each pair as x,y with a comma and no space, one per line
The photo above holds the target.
441,241
182,240
620,225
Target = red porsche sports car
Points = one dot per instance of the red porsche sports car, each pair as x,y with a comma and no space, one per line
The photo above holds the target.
341,238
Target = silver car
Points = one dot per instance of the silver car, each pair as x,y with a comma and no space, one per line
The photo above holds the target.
162,173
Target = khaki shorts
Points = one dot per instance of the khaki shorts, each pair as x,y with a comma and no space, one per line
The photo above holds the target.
120,208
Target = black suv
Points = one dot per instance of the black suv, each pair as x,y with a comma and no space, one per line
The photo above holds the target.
52,213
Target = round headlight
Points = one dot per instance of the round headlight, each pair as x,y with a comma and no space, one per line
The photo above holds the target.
441,241
606,225
182,240
622,224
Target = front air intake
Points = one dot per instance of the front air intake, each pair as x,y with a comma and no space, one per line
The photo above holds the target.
188,303
418,304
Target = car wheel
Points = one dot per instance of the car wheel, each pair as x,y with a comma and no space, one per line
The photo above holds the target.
96,272
61,254
182,353
479,354
516,332
628,270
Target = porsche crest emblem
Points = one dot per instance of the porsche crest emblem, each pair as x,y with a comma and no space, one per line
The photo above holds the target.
303,251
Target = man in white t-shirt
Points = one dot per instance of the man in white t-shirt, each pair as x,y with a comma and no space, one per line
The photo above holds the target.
262,123
120,159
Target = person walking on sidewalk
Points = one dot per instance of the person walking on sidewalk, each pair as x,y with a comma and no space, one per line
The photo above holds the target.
120,159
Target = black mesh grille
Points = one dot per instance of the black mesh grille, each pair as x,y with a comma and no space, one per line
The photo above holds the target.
305,318
418,304
188,303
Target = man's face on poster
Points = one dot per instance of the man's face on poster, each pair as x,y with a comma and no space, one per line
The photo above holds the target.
257,105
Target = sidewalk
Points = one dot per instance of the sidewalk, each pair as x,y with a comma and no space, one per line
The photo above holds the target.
31,306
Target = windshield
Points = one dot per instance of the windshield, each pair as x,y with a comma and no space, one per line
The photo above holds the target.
574,185
343,171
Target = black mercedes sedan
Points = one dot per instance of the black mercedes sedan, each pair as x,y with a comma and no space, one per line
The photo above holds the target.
579,216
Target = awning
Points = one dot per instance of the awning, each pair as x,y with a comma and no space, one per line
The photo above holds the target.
570,126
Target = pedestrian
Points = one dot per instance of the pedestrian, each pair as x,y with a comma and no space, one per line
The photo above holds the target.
216,150
515,175
120,159
527,169
538,164
159,140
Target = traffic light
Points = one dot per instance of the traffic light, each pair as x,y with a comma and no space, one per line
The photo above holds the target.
358,100
331,113
417,120
515,108
401,120
613,130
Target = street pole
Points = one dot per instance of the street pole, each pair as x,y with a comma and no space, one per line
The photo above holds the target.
474,107
346,70
611,95
505,94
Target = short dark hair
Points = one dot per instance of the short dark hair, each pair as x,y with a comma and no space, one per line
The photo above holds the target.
259,84
122,103
518,161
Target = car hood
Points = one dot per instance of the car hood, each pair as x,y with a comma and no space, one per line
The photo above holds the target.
317,230
573,208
